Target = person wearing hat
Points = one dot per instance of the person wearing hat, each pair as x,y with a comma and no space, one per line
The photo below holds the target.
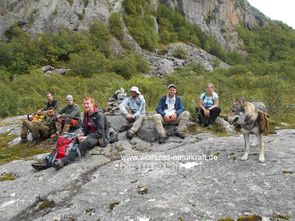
170,110
69,118
133,108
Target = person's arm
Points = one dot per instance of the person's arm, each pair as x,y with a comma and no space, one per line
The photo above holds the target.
74,113
56,105
180,107
123,106
44,108
101,126
202,102
84,131
62,111
216,102
141,109
161,106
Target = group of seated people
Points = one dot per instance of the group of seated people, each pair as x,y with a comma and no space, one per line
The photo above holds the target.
170,111
51,121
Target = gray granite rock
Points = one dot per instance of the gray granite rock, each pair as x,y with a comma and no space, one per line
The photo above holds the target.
198,178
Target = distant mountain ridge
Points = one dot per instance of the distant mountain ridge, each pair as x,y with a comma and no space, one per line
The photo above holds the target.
217,17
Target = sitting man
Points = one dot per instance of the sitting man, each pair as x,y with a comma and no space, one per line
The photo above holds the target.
94,128
133,109
170,110
68,118
50,103
39,128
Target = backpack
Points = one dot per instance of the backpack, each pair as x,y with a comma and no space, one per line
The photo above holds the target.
263,121
112,135
65,144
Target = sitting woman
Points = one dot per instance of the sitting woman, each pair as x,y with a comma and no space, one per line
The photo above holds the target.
95,127
209,108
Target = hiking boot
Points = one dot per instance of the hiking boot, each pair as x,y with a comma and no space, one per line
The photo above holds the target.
58,164
129,134
40,165
124,128
162,140
23,141
180,134
35,142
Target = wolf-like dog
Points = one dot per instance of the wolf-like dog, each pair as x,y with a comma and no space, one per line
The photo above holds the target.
245,115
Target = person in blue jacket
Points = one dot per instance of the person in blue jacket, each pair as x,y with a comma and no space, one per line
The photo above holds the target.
170,110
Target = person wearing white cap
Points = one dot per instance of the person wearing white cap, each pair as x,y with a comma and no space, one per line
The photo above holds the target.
69,118
170,110
133,108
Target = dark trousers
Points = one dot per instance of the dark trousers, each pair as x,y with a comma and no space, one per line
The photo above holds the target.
87,144
206,121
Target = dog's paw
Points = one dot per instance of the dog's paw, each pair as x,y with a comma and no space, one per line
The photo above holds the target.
245,157
261,159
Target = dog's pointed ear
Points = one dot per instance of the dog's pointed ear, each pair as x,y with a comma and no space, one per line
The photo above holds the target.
242,101
236,100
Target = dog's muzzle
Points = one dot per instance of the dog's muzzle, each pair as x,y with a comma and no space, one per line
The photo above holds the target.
233,119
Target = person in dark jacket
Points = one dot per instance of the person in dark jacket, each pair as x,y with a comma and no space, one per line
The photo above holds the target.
94,131
170,110
69,118
51,103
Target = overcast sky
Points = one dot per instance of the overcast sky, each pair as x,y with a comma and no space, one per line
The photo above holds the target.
282,10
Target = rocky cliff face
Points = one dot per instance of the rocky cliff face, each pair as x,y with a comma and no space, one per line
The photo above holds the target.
218,17
49,15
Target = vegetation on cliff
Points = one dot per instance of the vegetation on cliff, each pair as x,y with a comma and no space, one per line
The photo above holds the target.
266,74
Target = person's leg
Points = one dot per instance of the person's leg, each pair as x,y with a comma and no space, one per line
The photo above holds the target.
158,121
44,131
58,125
201,117
127,124
137,123
35,129
214,113
74,125
24,131
87,144
182,120
83,147
66,127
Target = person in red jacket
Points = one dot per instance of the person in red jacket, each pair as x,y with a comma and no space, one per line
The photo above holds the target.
94,128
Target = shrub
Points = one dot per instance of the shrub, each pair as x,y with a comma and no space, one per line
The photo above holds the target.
116,26
180,53
100,36
88,63
139,22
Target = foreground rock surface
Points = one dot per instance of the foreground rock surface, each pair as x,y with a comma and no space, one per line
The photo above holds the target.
173,181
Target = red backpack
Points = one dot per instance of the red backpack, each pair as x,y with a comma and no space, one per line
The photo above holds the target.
66,143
